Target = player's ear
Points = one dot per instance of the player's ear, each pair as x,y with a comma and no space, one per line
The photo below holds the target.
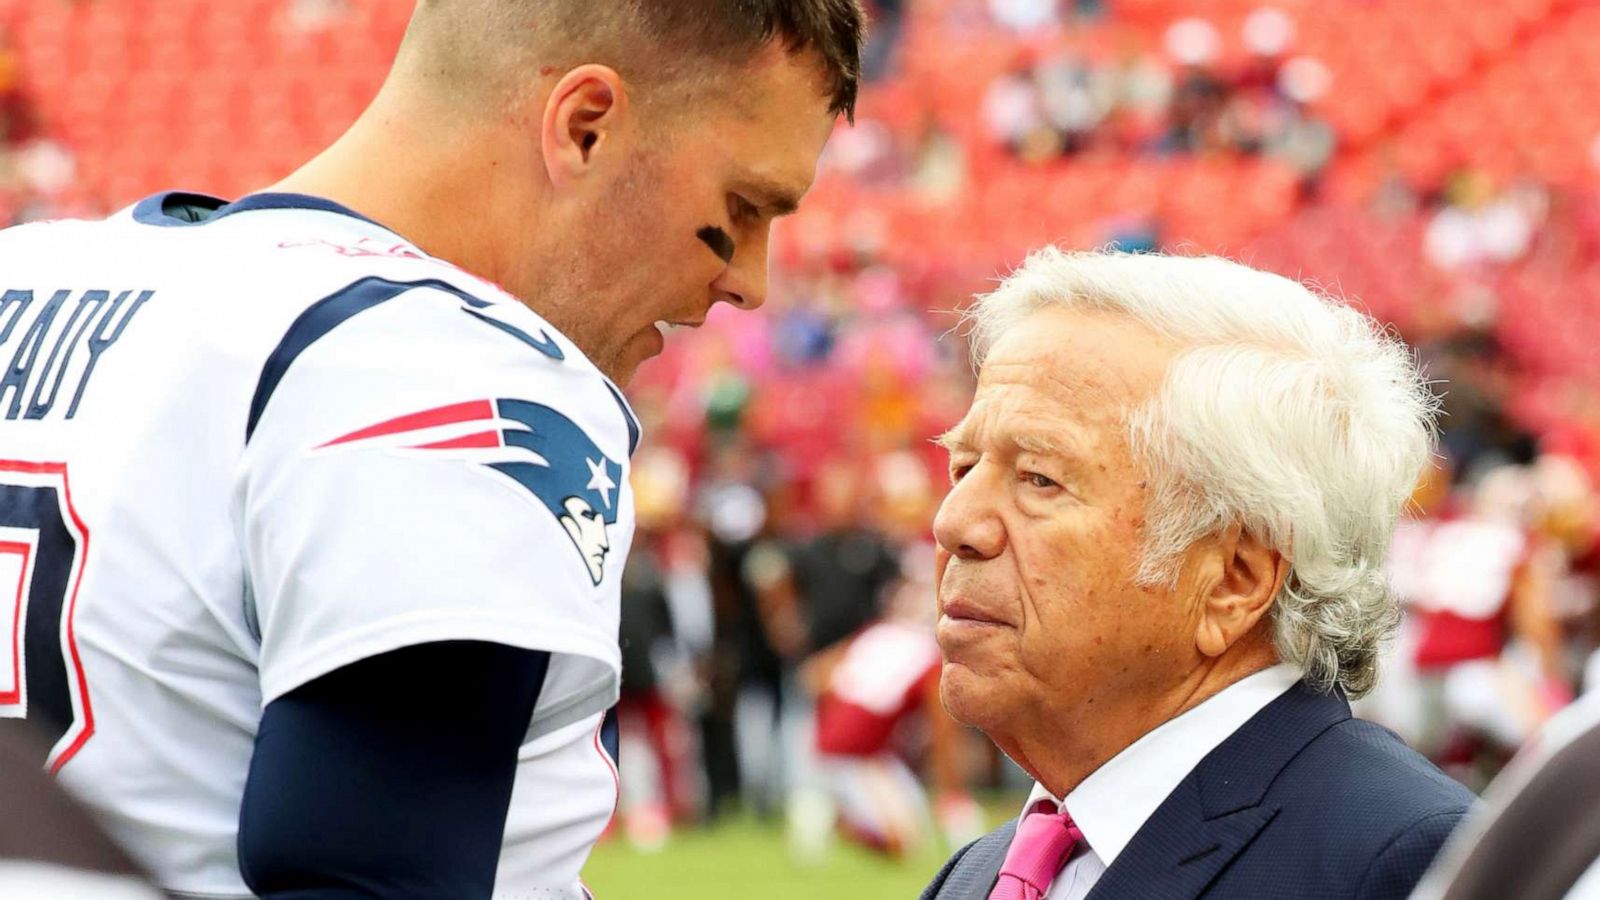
582,116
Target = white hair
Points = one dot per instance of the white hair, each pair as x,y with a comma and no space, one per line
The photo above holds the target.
1285,412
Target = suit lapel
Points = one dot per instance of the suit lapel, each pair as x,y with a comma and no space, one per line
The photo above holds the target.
1179,851
972,877
1215,812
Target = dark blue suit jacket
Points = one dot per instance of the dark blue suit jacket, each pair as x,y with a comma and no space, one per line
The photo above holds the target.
1303,801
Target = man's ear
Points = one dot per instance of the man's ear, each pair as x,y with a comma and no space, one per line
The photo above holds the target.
1245,576
582,116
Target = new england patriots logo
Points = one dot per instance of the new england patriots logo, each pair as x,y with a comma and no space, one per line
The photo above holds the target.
539,449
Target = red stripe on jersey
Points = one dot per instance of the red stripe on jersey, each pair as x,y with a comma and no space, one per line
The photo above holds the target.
467,441
21,550
611,764
429,418
71,613
84,725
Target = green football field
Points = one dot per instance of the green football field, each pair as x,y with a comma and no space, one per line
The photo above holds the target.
743,859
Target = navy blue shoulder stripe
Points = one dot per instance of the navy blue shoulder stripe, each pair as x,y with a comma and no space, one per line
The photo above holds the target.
543,343
627,415
332,311
178,209
293,201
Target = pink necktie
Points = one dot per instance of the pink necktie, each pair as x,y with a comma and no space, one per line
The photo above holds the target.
1039,850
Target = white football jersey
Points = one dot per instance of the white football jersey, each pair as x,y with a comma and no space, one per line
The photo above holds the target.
883,665
1460,566
240,451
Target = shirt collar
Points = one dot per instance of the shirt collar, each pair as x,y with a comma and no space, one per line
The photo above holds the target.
185,208
1112,804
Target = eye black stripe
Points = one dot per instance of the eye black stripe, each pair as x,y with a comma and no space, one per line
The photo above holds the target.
718,241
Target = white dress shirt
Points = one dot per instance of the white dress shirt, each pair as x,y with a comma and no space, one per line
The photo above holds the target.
1112,804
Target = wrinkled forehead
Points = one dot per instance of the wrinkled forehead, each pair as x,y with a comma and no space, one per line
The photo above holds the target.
1018,410
1067,372
1055,387
1079,357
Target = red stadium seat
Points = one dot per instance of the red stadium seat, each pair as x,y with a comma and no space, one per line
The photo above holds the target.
1420,86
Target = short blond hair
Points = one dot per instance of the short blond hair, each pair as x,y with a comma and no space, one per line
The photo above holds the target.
467,46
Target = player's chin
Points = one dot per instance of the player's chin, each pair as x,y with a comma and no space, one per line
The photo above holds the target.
641,346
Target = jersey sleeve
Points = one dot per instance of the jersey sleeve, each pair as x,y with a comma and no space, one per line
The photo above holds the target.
430,467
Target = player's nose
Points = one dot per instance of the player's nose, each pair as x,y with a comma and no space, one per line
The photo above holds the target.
744,282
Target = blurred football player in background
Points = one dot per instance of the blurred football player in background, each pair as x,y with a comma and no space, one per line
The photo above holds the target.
1481,663
875,688
666,633
843,605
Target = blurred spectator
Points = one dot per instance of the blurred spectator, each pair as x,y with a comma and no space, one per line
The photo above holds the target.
1566,513
1199,100
1475,369
878,57
1013,111
1477,226
308,16
1056,99
665,638
841,573
34,169
1075,97
17,123
752,694
1025,15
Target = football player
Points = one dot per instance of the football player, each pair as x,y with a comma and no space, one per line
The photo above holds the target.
880,680
313,504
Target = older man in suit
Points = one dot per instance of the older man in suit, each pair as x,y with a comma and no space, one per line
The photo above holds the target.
1160,577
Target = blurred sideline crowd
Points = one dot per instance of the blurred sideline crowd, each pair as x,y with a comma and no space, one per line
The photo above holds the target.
777,630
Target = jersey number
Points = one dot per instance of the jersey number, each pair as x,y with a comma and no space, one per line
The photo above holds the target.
43,545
